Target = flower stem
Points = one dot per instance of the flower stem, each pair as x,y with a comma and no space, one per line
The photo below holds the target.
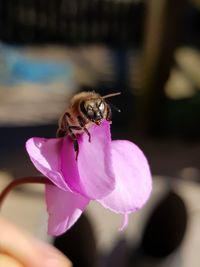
20,181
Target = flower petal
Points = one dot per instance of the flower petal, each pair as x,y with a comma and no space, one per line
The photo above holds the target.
64,209
94,176
133,179
91,174
45,155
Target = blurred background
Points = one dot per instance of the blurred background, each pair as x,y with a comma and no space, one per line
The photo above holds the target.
149,51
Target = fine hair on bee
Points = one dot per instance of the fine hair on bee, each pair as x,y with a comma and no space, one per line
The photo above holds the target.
85,109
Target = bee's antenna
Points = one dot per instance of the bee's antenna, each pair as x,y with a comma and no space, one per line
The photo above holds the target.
111,95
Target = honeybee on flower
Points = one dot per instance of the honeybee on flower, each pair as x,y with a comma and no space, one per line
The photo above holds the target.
85,109
114,173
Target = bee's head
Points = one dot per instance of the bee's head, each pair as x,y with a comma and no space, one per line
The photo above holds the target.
94,109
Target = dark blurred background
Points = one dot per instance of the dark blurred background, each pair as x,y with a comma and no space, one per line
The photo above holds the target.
149,51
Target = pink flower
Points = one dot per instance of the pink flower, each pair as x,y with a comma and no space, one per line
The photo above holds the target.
115,173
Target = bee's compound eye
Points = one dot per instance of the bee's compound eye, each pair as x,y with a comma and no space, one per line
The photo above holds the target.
83,108
102,106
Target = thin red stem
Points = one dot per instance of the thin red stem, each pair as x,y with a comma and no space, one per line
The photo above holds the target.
20,181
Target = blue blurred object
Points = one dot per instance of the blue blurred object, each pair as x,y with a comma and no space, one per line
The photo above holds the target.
16,67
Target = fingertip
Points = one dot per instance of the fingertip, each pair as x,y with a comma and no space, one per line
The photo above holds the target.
8,261
52,257
58,262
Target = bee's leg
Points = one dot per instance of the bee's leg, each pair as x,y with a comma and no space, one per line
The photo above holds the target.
63,127
66,128
76,146
73,127
75,141
88,133
109,114
60,133
82,123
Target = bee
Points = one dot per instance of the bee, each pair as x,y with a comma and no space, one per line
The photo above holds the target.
85,109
